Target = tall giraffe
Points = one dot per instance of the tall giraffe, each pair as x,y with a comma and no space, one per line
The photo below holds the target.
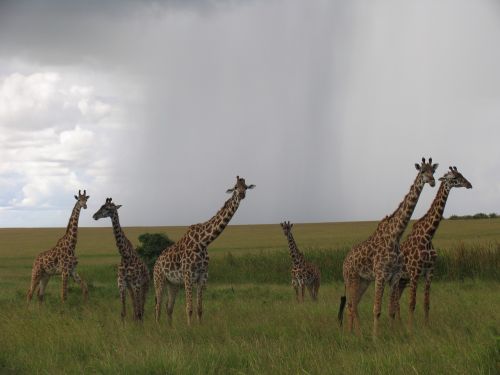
186,261
303,272
418,252
61,259
378,258
132,271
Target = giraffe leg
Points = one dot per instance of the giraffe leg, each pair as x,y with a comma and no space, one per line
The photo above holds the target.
357,290
41,289
133,298
427,295
64,286
302,290
316,289
188,286
172,293
310,290
199,300
377,306
83,286
159,284
394,300
296,288
413,301
138,302
144,293
351,289
36,276
401,287
122,288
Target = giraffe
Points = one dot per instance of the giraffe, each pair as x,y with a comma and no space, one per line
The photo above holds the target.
378,258
132,271
186,261
61,259
304,273
417,249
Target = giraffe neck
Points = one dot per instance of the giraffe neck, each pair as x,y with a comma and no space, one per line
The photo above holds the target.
400,218
215,226
72,228
433,217
295,253
122,242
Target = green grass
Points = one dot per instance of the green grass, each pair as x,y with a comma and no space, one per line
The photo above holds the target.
252,324
250,329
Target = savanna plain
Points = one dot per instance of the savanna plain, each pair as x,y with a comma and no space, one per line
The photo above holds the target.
252,323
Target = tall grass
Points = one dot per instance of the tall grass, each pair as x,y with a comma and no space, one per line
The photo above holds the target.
477,261
250,329
465,261
252,324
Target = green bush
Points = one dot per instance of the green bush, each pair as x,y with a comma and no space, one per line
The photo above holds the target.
480,216
152,245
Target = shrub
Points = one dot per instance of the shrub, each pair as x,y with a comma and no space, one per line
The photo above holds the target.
480,216
152,245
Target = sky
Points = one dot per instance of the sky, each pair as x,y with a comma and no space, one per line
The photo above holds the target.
324,105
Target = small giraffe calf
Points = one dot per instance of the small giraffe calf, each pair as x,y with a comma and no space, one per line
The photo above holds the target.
61,259
304,273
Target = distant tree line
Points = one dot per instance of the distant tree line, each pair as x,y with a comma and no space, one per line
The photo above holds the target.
479,215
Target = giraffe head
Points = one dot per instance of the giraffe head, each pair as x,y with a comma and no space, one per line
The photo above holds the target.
82,199
287,227
426,171
455,179
106,210
240,188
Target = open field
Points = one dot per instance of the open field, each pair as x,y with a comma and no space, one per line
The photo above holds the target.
252,323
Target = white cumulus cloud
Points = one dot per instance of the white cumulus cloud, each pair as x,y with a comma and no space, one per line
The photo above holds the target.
53,133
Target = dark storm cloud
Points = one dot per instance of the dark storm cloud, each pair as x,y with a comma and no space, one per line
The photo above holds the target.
324,105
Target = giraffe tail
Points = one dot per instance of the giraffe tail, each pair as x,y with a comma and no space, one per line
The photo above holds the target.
340,316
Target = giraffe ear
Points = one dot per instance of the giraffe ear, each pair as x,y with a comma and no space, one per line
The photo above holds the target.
117,207
251,186
441,178
417,166
229,191
434,167
76,197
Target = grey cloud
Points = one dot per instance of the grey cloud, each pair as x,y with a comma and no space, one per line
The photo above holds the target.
325,106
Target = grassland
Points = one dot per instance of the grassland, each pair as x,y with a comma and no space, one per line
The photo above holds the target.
252,323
